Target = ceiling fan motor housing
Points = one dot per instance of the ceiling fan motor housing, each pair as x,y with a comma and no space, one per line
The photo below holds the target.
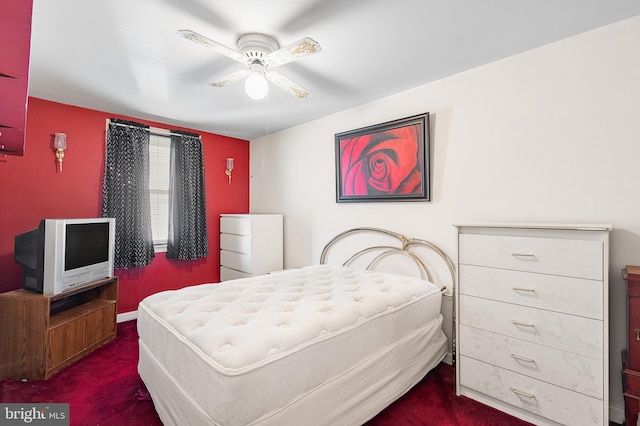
257,46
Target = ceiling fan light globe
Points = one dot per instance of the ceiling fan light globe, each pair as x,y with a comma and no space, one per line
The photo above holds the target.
256,86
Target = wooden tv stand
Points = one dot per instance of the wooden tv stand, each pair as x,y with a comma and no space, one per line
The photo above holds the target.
42,334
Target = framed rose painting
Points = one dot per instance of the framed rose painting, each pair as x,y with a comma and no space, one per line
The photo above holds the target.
384,162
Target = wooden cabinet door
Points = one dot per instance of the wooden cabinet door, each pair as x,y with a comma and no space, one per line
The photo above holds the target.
99,325
65,341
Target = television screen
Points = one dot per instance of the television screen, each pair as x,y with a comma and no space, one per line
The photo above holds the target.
86,244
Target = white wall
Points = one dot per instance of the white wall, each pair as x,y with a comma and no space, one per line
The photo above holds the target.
551,135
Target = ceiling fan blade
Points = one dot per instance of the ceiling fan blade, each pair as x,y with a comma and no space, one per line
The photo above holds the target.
200,39
301,48
287,85
230,78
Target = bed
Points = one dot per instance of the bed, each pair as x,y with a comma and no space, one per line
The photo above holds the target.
323,344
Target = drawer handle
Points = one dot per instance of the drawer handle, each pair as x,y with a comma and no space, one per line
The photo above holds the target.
637,333
530,255
523,289
523,324
523,359
525,394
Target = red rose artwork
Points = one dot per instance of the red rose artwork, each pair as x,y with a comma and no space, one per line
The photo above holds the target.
384,164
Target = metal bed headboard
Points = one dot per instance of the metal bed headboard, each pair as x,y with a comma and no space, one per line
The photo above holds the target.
384,251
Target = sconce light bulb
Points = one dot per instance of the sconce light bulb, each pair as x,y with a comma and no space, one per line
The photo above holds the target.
60,141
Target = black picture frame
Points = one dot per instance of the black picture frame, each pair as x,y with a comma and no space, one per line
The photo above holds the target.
385,162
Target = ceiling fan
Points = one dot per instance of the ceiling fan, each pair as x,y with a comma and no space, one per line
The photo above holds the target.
261,53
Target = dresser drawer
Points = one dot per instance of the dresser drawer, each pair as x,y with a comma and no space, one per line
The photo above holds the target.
237,243
573,258
566,369
238,261
227,274
561,331
630,381
236,225
577,296
544,399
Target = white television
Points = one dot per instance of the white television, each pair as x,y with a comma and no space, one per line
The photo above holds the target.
65,254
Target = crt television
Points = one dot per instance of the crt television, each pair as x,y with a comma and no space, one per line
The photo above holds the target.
65,254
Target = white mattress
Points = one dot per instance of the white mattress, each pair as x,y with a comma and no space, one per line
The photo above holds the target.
247,351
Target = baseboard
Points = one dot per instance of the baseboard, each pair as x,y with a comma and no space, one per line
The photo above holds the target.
616,415
127,316
448,359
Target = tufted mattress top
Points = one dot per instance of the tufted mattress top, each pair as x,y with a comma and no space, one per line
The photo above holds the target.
229,346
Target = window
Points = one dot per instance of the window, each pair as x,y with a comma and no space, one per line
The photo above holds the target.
128,193
159,163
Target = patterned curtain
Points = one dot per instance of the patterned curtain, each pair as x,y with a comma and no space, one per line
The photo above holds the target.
125,192
187,210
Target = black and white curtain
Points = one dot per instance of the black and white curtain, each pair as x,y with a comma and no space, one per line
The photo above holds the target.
125,192
187,210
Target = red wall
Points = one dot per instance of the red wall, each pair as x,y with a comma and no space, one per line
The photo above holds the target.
32,189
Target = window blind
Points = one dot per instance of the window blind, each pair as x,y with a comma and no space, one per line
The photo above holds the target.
159,163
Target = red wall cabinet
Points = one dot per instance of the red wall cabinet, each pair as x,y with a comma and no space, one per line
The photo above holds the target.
15,42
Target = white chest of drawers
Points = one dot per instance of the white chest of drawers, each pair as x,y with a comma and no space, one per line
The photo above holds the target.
532,320
250,244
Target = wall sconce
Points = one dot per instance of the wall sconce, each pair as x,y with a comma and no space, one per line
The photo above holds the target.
60,144
229,168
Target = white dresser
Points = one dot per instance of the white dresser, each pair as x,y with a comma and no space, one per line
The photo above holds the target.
532,321
250,244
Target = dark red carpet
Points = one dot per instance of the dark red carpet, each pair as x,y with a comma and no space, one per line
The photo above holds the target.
104,389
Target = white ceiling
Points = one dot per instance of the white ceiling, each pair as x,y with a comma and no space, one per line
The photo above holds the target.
124,57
